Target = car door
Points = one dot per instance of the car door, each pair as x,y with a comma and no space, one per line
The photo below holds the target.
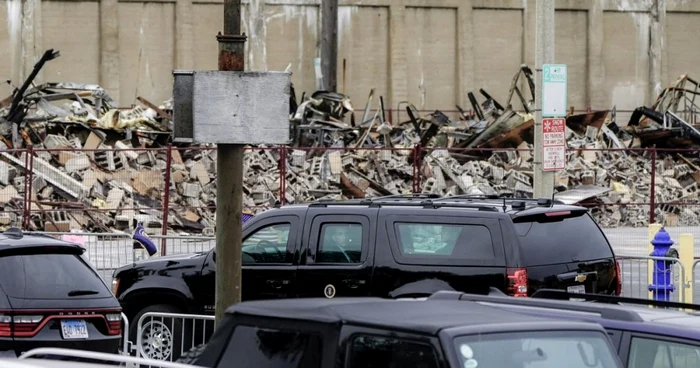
269,266
653,351
336,259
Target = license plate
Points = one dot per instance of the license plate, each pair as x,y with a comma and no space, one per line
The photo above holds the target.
74,329
576,289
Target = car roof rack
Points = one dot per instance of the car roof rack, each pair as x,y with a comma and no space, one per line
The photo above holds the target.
555,294
602,310
426,203
540,201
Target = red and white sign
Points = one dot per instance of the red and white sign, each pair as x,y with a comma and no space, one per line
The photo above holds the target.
554,144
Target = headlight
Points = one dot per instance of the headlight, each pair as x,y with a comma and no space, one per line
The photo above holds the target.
115,286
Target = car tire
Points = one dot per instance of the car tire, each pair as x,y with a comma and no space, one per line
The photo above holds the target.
192,355
162,337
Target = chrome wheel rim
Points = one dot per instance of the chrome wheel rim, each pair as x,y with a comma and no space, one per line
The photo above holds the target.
156,341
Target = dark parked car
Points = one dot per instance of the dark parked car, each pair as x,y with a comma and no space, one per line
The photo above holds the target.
383,247
51,297
374,332
644,337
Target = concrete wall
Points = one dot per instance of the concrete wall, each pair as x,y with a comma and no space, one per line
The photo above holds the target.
429,52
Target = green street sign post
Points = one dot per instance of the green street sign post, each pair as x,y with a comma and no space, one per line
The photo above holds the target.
554,86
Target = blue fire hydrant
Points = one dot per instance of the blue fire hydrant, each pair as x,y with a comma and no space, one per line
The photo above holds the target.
662,278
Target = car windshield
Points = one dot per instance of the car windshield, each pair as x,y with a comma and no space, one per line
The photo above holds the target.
546,349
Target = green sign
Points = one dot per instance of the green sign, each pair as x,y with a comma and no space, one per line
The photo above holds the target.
554,87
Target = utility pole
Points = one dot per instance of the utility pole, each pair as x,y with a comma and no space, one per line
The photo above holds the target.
229,179
329,43
544,180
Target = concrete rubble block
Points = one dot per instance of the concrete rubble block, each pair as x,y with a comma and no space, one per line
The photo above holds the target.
127,150
79,163
200,172
53,141
64,156
335,162
115,196
57,221
298,158
191,190
6,173
8,193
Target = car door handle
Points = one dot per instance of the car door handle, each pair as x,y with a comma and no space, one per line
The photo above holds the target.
277,284
353,283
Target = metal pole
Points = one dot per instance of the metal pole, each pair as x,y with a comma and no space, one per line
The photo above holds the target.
329,43
166,199
544,180
229,179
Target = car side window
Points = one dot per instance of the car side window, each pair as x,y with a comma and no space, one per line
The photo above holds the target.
650,353
446,240
368,351
251,346
340,243
267,245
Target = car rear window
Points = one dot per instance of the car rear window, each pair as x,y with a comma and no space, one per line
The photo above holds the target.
271,348
550,349
49,276
445,240
572,239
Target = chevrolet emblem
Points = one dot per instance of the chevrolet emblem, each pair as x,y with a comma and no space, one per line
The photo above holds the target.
580,278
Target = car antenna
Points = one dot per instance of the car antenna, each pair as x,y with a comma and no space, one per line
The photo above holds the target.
551,204
504,204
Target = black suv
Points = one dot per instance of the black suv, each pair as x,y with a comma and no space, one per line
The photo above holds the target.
50,296
387,246
374,332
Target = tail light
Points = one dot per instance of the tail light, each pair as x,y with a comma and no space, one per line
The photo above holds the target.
114,323
20,325
29,325
618,272
517,282
5,326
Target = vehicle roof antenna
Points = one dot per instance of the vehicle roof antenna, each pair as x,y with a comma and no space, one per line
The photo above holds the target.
505,208
551,204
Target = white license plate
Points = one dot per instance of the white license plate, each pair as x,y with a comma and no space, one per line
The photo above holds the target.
576,289
74,329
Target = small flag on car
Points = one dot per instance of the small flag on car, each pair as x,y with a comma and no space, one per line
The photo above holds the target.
142,241
246,216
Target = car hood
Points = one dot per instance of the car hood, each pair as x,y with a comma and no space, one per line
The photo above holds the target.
164,262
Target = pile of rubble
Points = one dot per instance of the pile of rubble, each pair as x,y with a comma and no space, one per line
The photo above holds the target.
97,167
488,151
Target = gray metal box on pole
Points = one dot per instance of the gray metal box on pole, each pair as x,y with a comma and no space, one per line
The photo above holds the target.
232,107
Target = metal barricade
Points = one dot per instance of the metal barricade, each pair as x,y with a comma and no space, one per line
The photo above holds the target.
164,336
123,360
637,276
179,244
126,344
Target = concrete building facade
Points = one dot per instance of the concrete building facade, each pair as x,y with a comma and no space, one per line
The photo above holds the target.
429,52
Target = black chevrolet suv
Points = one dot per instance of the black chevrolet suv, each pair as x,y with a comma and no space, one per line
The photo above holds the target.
387,246
50,296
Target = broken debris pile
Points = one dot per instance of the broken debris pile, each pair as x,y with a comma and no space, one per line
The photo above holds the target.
489,151
107,165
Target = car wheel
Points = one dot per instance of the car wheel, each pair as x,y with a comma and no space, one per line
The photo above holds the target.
191,356
161,337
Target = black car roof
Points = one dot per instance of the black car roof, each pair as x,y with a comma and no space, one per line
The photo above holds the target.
13,238
511,206
430,317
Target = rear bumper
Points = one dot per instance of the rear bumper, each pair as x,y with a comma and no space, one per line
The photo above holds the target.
102,345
